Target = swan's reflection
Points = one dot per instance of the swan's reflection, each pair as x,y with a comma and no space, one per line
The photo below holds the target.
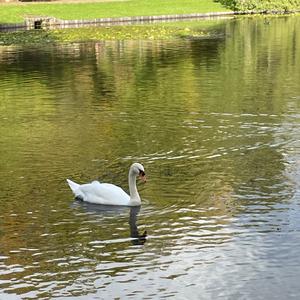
138,239
108,210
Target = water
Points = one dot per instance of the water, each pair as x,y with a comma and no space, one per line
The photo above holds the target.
215,123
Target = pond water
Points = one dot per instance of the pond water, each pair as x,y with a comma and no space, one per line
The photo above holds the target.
216,124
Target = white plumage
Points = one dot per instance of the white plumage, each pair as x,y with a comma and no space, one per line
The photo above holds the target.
110,194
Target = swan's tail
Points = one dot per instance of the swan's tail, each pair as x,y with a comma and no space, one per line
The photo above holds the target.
75,188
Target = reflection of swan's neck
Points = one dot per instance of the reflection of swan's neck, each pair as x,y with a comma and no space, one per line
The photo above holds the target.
134,233
134,195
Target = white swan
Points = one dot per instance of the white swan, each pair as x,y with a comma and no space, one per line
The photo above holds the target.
109,194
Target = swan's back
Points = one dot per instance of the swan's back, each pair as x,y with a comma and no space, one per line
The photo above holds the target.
103,193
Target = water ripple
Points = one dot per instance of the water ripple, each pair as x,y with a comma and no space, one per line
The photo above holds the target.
216,125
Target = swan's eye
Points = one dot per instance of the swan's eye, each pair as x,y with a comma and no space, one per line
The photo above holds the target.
142,173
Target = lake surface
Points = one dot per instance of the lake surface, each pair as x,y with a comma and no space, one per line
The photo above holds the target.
216,124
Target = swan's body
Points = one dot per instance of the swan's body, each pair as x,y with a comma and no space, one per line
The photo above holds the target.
110,194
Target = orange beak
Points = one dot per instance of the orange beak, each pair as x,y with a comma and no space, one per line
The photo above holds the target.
143,178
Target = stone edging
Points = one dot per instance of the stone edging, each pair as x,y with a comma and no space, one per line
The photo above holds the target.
37,22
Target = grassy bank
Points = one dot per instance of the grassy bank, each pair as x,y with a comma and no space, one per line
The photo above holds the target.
179,30
14,13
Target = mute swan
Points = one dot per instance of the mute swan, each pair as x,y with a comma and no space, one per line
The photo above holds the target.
109,194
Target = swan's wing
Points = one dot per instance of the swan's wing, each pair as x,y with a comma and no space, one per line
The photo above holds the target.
104,193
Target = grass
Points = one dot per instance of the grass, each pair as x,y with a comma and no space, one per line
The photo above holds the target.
184,30
15,13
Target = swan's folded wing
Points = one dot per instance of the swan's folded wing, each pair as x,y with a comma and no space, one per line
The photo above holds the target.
104,193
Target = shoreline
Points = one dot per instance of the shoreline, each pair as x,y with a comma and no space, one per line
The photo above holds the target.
43,22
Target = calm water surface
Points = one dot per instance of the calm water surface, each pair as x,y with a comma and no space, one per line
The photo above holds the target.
215,123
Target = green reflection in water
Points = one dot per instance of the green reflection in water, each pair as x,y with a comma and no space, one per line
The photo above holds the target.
212,121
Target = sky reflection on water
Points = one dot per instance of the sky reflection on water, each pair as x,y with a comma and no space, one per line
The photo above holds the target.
214,122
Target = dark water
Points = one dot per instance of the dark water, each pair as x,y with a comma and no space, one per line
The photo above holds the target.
215,123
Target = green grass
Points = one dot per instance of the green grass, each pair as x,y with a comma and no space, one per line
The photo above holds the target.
179,30
14,13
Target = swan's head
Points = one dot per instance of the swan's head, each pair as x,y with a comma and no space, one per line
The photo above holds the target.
138,170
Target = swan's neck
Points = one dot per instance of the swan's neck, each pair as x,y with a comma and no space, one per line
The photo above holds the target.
134,195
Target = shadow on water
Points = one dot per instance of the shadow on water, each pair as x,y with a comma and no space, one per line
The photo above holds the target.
109,210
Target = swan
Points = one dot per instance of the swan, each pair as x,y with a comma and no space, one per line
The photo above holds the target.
110,194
